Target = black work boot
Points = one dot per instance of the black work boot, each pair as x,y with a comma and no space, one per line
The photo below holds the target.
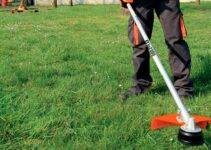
133,91
185,93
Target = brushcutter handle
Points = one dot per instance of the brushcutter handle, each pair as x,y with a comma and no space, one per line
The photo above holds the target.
125,2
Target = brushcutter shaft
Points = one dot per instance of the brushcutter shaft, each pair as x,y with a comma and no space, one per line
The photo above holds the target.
184,113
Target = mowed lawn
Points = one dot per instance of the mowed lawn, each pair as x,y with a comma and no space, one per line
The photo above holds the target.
61,71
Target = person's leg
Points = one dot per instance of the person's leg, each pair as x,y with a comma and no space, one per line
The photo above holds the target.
169,13
142,79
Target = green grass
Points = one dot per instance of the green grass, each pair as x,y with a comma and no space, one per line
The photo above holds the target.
61,71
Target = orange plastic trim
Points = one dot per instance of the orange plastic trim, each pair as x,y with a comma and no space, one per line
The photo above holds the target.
128,1
171,120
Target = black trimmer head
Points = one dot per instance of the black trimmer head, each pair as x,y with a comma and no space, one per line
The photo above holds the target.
190,138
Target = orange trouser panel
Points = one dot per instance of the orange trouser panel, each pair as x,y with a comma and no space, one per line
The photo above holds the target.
182,26
136,33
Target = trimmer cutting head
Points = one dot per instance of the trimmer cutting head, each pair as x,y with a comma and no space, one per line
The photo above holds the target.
186,135
190,138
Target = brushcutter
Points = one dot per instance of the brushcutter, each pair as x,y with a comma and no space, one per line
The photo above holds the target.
190,132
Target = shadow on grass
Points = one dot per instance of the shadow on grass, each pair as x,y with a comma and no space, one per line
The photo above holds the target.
202,80
160,89
208,141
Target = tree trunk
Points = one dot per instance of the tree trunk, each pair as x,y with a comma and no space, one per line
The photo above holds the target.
198,2
55,3
71,2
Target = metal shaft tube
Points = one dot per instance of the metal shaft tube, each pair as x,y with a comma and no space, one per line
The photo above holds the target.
184,112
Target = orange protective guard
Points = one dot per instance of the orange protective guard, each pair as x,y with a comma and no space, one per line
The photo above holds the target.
171,120
21,8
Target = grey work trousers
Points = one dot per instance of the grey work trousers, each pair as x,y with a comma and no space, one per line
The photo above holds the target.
170,16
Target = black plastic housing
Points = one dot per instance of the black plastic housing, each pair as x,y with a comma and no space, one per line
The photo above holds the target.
190,138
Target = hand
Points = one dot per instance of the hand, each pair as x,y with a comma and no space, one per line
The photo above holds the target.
124,3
